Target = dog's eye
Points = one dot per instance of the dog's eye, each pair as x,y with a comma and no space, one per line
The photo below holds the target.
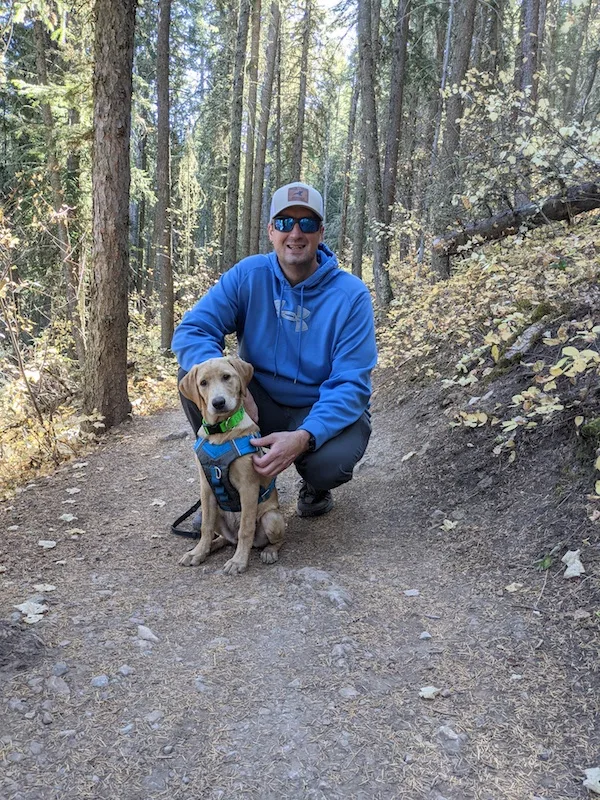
226,377
203,382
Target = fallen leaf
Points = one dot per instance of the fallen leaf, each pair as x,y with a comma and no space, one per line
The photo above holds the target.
73,490
47,544
75,531
574,566
13,528
592,779
412,592
513,587
448,525
44,587
67,517
30,607
408,455
429,692
81,465
156,502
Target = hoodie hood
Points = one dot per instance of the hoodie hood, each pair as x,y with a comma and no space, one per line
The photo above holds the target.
327,264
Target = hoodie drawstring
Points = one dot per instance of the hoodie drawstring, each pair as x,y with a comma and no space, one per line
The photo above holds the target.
279,321
300,324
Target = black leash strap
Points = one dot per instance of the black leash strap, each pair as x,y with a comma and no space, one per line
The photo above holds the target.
182,518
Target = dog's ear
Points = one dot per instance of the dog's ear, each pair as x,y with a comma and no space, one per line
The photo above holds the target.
243,369
188,386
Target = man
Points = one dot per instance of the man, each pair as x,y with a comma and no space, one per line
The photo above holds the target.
307,328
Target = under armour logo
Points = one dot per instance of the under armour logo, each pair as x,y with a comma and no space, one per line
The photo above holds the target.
297,316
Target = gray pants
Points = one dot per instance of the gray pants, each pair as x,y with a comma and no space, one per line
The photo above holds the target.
330,465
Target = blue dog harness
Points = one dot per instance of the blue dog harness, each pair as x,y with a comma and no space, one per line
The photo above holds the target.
216,460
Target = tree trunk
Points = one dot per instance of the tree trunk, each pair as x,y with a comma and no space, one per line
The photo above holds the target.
449,162
61,212
139,248
360,201
263,128
348,166
250,137
233,168
296,165
592,70
397,81
576,60
383,289
558,208
164,265
105,387
529,47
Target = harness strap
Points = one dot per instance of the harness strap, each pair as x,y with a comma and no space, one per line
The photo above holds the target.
216,459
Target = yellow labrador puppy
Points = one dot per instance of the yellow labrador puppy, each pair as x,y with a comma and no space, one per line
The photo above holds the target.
218,387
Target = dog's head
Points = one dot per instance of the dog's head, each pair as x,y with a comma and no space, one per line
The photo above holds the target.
217,386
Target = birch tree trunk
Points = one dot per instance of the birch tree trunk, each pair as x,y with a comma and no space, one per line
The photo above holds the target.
105,386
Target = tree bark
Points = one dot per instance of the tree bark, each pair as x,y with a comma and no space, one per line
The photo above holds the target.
61,211
348,165
576,61
557,208
263,129
592,70
164,266
449,161
394,129
250,135
296,165
360,200
383,289
233,169
105,386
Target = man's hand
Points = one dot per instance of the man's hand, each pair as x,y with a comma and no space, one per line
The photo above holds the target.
251,407
284,449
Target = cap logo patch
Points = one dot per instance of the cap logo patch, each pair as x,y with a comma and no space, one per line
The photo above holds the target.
298,193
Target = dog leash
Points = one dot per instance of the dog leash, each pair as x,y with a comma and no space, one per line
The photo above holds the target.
182,531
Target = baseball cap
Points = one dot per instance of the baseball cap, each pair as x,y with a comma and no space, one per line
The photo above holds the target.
296,194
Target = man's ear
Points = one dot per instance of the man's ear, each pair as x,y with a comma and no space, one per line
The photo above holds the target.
243,369
188,386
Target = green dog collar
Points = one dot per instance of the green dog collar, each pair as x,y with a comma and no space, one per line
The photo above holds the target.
226,425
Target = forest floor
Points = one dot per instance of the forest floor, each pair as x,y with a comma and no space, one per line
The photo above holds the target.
302,679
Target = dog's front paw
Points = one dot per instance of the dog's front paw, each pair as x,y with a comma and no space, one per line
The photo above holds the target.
233,567
192,559
269,554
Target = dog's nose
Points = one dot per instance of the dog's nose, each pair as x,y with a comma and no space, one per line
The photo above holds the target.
218,403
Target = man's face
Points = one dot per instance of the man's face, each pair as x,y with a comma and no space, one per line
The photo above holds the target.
296,251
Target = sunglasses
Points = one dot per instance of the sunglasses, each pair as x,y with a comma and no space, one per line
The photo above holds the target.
306,224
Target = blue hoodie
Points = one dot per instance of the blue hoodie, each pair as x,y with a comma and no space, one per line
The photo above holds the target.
312,344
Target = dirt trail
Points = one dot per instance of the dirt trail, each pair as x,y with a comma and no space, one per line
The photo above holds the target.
299,680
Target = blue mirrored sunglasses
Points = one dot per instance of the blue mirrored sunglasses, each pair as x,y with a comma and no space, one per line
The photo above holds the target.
286,224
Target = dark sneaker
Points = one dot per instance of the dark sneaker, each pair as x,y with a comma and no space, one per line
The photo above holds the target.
312,502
